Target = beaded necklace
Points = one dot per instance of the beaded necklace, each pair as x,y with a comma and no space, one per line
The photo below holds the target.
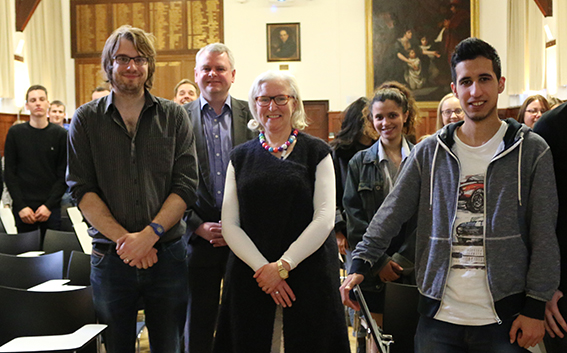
283,147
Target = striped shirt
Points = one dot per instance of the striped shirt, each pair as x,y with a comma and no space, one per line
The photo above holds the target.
133,175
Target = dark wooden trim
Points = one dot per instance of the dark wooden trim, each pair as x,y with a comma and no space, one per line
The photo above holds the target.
550,43
19,58
546,7
24,11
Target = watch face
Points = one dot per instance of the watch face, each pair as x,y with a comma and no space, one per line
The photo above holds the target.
160,229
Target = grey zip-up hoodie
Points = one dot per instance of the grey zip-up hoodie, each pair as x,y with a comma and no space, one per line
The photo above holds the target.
520,213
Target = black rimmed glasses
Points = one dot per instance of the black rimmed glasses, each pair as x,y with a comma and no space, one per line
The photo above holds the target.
448,112
281,99
125,60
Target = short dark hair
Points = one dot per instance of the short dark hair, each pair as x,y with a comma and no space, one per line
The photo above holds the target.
472,48
183,82
143,43
57,102
36,88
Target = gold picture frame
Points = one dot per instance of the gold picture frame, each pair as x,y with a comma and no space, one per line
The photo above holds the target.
437,23
283,42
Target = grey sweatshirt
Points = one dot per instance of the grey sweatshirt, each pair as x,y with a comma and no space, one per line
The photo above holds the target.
520,206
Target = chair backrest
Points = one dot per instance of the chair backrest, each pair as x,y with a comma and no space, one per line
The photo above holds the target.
401,315
79,270
26,272
56,240
14,244
26,313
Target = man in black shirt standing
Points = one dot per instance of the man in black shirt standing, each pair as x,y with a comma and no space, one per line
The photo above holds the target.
132,170
35,160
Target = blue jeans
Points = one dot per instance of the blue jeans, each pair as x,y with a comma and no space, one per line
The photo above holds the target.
434,336
117,287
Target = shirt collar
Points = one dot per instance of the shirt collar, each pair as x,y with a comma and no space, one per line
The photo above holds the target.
149,100
203,102
382,152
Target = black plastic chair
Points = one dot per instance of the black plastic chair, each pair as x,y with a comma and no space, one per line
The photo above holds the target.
401,315
26,272
56,240
14,244
79,269
27,313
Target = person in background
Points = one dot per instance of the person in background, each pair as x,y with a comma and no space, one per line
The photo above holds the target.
185,91
449,111
281,289
357,133
532,109
551,126
372,174
57,114
99,92
133,171
34,167
219,122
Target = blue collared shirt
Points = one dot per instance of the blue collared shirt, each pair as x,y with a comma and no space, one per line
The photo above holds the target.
218,135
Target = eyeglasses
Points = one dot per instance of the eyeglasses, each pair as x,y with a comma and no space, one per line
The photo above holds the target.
125,60
281,99
535,111
448,112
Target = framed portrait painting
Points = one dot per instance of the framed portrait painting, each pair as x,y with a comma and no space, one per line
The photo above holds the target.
283,42
411,41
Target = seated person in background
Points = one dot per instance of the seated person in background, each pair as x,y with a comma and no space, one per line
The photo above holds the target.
185,91
57,114
99,92
532,109
35,161
449,111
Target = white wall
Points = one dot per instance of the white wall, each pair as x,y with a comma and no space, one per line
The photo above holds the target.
333,46
333,61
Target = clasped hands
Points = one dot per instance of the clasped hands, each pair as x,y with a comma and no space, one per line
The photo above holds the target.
137,249
27,215
269,280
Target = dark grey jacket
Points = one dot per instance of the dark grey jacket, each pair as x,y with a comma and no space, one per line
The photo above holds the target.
520,206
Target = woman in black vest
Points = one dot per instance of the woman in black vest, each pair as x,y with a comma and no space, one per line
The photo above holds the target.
281,287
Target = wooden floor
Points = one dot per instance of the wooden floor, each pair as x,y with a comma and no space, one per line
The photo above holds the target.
145,344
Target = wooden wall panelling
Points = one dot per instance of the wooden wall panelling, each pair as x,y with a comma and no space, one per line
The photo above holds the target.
88,76
181,27
6,121
169,71
335,121
317,118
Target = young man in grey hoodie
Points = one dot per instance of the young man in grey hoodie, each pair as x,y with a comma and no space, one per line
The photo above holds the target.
486,252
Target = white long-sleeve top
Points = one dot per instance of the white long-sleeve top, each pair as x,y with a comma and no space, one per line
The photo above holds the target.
309,240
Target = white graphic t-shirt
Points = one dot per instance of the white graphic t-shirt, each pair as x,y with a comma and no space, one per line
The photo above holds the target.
467,299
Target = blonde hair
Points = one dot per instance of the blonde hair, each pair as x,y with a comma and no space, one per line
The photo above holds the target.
298,118
440,108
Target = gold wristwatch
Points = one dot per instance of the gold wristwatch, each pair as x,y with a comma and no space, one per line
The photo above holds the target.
282,271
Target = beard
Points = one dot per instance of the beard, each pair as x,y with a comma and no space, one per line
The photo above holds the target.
125,86
480,117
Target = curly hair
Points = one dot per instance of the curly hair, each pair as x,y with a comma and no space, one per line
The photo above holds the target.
403,97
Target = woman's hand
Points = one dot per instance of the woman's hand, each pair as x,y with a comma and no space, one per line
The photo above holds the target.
268,277
283,295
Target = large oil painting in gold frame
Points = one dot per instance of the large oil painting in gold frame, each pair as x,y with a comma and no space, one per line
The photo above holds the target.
411,41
